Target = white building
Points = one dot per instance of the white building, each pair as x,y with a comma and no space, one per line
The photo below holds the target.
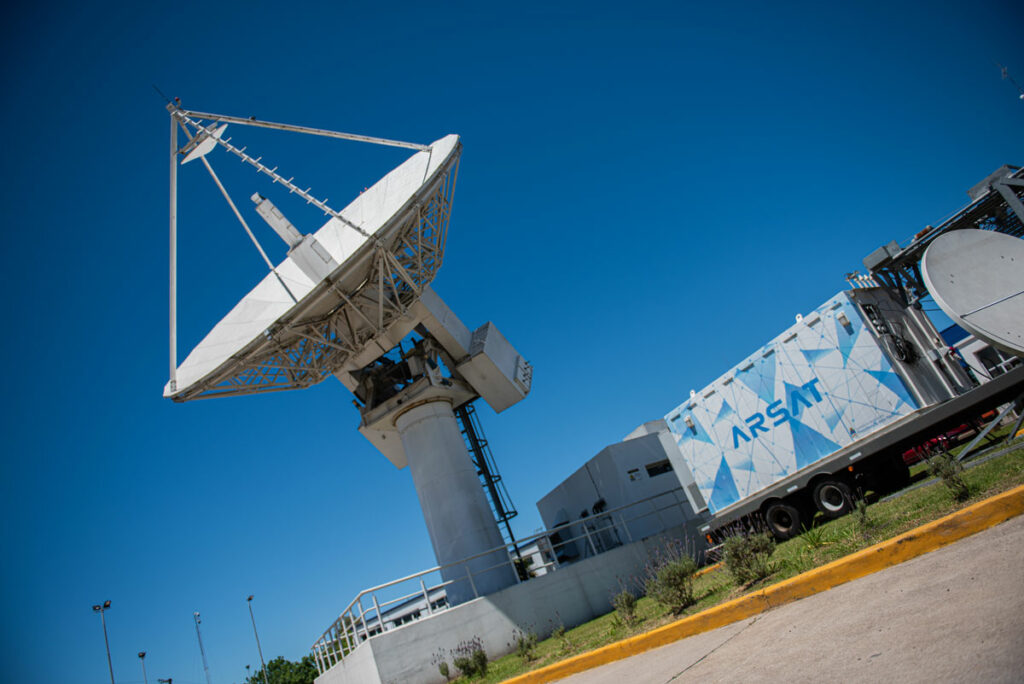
627,492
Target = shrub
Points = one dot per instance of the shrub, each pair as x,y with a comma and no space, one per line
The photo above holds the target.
864,522
747,557
672,584
442,664
625,606
943,465
470,659
480,661
565,644
525,643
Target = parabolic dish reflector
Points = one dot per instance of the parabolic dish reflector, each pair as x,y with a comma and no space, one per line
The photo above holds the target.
388,245
977,278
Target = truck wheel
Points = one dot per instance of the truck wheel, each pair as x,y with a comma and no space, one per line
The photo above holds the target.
783,520
833,498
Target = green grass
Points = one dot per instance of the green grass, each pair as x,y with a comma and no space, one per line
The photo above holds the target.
826,541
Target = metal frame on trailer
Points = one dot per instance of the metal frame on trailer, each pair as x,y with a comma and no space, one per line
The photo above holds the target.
998,204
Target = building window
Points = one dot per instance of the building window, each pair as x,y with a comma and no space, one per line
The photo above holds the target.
634,474
659,468
996,362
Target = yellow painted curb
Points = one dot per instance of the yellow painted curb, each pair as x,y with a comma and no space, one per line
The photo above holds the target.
916,542
706,569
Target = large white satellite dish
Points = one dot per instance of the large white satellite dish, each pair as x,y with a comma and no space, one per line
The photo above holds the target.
294,328
977,278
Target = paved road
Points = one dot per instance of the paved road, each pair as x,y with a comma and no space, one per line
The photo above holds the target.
953,615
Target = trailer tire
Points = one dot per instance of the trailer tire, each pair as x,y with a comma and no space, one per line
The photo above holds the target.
783,519
833,498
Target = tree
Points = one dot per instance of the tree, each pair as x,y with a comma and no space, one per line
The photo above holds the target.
281,671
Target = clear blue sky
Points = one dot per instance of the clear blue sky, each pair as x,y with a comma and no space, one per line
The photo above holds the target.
647,193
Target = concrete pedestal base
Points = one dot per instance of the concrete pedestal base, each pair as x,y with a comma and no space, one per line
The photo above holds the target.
455,509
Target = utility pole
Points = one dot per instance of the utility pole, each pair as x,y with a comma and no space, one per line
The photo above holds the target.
142,659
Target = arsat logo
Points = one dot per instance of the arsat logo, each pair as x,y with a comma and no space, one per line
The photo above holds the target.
779,413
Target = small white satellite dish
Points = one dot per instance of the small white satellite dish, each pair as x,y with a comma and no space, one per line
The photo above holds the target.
977,278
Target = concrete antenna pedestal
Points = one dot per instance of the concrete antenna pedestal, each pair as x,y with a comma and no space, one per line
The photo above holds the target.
455,509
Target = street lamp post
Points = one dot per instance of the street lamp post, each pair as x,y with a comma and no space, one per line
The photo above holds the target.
202,651
258,648
142,659
100,609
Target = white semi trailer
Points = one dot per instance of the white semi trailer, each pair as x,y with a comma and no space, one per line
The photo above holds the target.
826,407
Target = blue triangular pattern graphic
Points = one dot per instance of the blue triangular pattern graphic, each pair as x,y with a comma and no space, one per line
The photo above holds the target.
794,409
750,378
813,355
846,339
832,418
724,491
809,444
723,413
761,378
893,383
745,462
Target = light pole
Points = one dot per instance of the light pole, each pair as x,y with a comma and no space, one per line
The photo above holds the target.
202,651
142,659
100,609
251,617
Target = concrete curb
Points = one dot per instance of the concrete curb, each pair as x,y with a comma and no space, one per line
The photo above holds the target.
916,542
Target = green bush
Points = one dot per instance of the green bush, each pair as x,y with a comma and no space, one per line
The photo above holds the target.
747,557
671,585
440,661
470,658
625,606
565,644
865,523
525,643
945,466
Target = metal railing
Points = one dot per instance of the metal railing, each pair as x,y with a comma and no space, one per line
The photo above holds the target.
392,604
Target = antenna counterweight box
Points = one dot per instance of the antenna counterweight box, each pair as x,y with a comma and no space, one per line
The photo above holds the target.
495,369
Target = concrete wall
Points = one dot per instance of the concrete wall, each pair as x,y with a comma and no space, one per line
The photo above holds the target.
573,594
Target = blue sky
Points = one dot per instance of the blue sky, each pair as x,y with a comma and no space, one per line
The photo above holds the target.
647,193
